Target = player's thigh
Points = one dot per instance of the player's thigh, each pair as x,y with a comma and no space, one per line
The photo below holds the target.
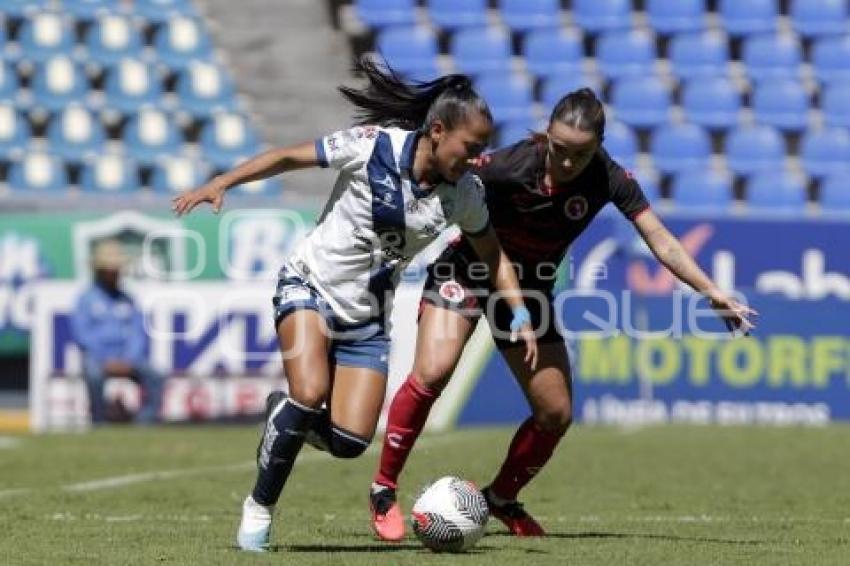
548,388
356,400
303,339
441,335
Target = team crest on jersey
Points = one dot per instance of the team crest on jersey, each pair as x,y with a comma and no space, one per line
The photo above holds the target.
452,291
576,207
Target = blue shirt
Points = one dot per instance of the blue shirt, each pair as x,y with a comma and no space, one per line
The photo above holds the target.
109,327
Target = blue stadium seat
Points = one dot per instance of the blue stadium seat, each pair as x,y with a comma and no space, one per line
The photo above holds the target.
772,56
835,193
175,174
510,96
711,102
641,102
271,186
203,88
703,189
130,85
37,171
836,105
15,131
750,149
648,180
58,82
783,103
454,14
549,52
481,50
411,51
831,59
226,137
558,86
680,147
179,41
88,10
699,54
751,16
109,173
596,16
776,190
819,17
515,130
9,83
111,38
75,133
44,35
159,12
150,135
19,9
825,152
676,16
380,13
621,143
627,54
524,15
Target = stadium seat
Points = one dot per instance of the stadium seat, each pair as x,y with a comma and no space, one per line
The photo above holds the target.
37,171
74,133
836,105
88,10
380,13
226,137
819,17
509,96
556,87
699,54
667,17
776,190
772,56
680,147
648,181
703,189
411,51
17,10
515,130
111,38
131,85
825,152
751,16
9,83
43,36
180,41
835,193
641,102
831,59
14,131
202,89
271,186
454,14
175,174
711,102
621,54
621,143
158,12
481,50
596,16
58,82
109,173
554,51
150,135
750,149
524,15
782,103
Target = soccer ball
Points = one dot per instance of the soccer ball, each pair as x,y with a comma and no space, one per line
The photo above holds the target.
450,515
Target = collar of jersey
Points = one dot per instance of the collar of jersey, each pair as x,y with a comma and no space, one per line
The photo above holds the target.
408,152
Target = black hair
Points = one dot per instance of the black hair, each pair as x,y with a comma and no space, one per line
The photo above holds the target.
389,100
581,109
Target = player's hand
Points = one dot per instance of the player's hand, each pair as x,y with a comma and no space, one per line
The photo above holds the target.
736,315
521,326
212,192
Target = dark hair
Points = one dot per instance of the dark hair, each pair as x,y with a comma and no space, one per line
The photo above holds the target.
581,109
388,100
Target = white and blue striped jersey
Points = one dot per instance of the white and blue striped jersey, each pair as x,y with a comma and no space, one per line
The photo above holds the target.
378,219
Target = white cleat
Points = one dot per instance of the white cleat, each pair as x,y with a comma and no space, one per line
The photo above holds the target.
255,527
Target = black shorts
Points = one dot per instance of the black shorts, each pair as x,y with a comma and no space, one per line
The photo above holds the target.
454,283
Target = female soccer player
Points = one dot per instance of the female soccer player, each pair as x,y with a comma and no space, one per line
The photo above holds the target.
542,193
402,181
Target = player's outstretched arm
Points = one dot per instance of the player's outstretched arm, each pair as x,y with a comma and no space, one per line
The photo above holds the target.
264,165
670,252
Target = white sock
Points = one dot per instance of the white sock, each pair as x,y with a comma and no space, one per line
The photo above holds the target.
377,487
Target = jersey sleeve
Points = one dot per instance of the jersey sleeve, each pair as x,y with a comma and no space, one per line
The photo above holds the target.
475,219
625,191
346,149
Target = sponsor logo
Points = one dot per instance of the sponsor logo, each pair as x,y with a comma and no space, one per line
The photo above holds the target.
387,181
576,207
452,291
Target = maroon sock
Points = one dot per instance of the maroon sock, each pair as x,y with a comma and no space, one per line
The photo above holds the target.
529,451
406,419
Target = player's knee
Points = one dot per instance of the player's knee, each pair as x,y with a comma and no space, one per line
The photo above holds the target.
309,396
555,420
347,445
433,374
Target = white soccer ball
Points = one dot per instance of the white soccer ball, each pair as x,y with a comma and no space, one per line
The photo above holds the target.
450,515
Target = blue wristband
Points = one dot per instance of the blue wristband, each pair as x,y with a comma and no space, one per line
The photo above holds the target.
521,316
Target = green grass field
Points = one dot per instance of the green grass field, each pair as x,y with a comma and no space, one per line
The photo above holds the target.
676,495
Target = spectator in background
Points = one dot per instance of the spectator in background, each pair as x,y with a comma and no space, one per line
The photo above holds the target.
110,331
